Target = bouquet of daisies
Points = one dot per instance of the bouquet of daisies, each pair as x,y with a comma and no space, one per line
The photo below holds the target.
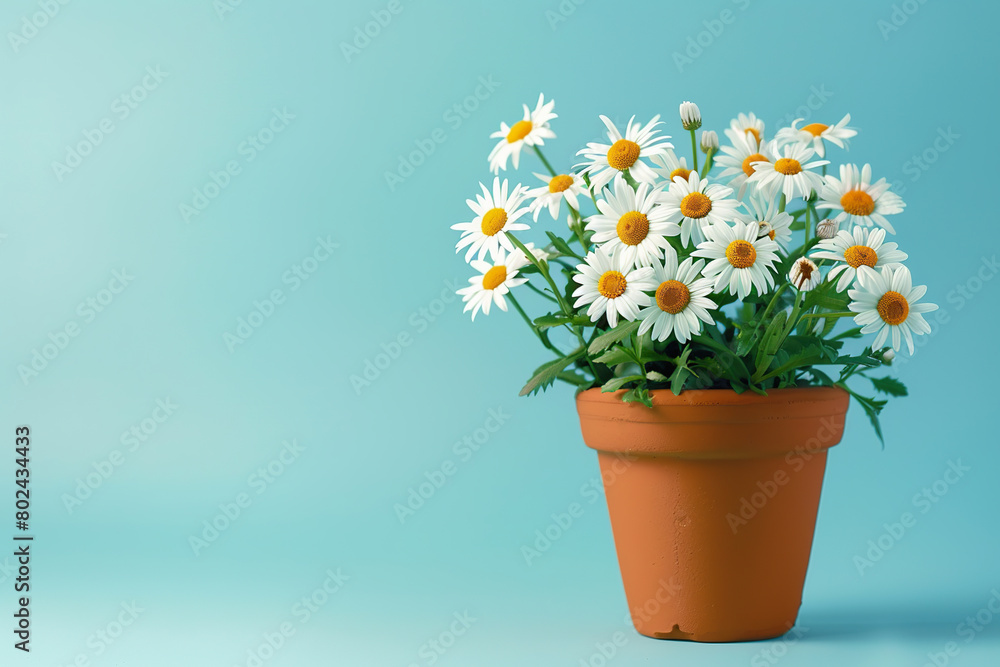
734,274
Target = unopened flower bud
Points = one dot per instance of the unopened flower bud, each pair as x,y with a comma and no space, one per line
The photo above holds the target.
690,116
888,355
709,141
826,229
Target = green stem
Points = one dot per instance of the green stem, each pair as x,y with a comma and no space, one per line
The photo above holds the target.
544,339
808,231
781,205
578,227
827,315
540,292
541,157
694,149
708,163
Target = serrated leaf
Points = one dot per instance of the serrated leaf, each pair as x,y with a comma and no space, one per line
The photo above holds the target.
609,338
889,385
681,373
614,356
547,373
872,408
870,362
638,395
614,384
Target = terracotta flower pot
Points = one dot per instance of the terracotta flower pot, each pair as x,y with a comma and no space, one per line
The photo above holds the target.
713,498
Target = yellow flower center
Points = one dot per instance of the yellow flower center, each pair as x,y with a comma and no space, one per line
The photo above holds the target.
857,255
695,205
493,221
611,284
623,154
560,183
755,133
672,296
680,171
633,228
815,129
519,131
787,166
857,202
893,308
765,228
748,168
493,278
741,254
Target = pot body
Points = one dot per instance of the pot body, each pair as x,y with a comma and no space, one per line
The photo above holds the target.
713,498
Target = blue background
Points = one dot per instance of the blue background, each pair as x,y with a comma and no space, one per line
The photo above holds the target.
323,176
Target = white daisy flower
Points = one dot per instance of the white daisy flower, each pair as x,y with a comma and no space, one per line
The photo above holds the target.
681,301
790,174
887,303
690,115
694,204
863,247
738,258
611,287
604,161
496,279
532,130
748,124
556,189
539,253
775,224
804,274
496,214
669,165
859,200
634,221
815,134
738,160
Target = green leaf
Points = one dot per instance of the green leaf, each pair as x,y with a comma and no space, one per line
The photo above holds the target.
558,320
681,373
614,356
870,362
609,338
614,384
561,245
656,377
770,341
547,373
638,395
872,408
889,385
